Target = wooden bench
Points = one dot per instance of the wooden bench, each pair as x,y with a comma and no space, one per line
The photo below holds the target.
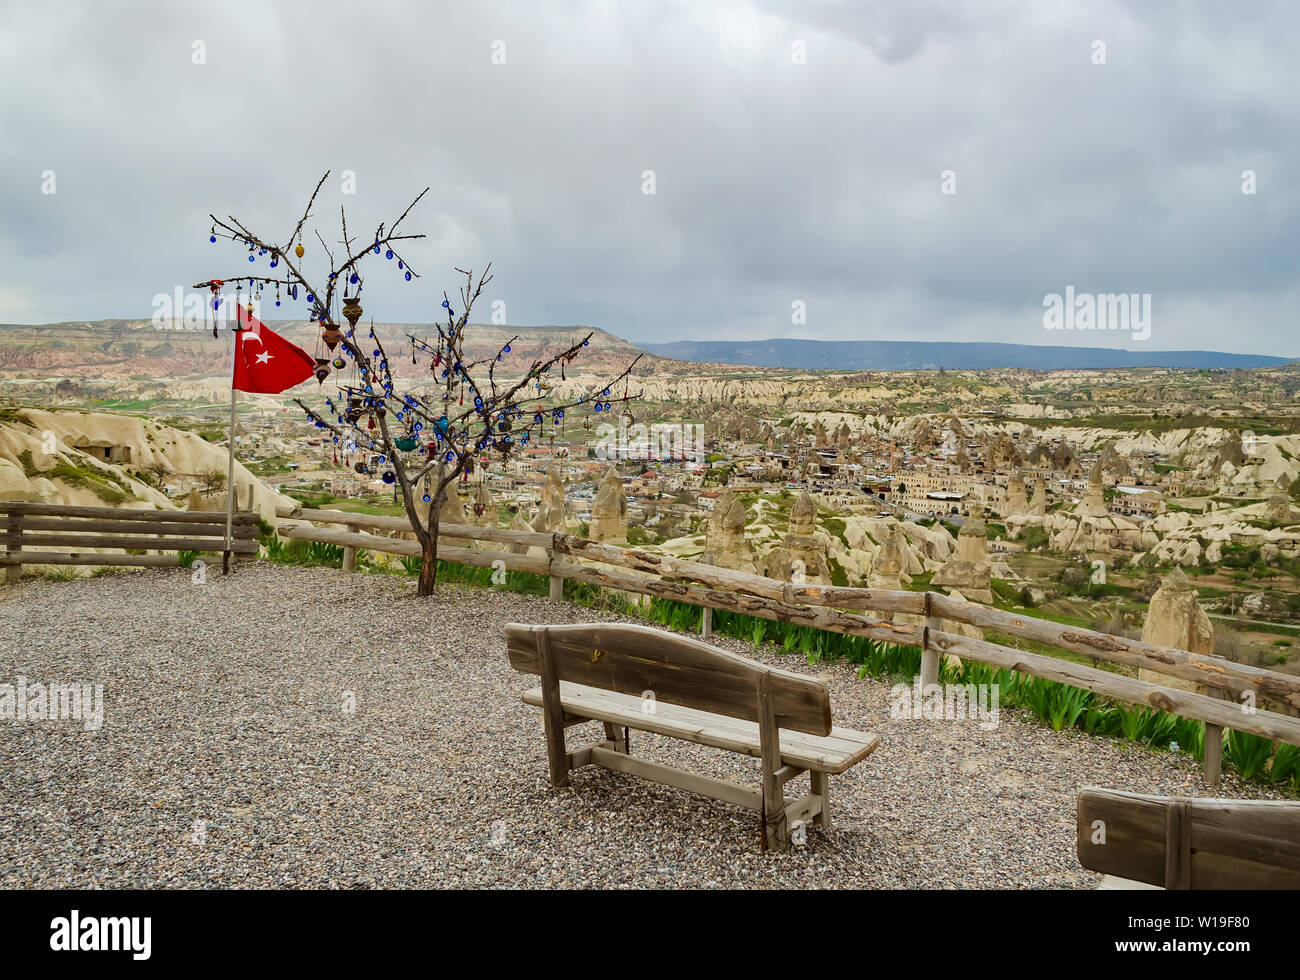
635,677
1176,842
30,525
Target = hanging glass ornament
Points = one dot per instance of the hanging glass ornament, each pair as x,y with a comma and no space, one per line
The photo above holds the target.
299,250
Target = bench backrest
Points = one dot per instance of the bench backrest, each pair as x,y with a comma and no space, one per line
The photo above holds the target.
631,659
1190,843
28,528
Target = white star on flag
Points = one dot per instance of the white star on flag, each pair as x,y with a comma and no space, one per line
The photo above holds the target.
263,357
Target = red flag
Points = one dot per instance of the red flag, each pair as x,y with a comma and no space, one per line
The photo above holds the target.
264,361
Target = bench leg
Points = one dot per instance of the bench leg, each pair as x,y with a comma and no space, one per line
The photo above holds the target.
776,834
552,713
821,785
621,742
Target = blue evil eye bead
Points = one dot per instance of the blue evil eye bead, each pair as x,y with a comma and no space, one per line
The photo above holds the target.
212,238
400,416
383,459
274,263
585,343
537,418
369,390
376,249
277,302
450,456
445,305
599,406
605,392
311,298
388,254
408,275
506,349
418,426
375,353
252,258
353,278
426,498
399,264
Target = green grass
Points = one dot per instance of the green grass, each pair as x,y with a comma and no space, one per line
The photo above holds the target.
102,484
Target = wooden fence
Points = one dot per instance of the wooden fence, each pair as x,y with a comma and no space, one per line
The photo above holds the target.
1244,690
26,526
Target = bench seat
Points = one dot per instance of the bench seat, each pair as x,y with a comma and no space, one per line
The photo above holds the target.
832,754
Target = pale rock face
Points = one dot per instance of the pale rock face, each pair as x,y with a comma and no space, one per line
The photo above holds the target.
969,570
550,515
520,523
1175,619
1017,500
888,568
136,443
485,510
960,629
453,509
725,544
609,511
800,551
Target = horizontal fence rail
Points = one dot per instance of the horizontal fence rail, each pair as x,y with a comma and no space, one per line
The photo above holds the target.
841,609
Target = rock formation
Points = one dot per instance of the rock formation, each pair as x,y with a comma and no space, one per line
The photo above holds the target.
725,543
969,569
550,515
887,572
800,553
1175,619
485,509
609,512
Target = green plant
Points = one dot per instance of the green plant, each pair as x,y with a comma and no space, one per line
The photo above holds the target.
1248,753
1286,764
1147,725
187,558
1190,736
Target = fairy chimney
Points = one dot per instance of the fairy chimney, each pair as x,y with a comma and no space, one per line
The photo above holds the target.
800,555
724,543
609,512
887,572
1175,619
550,516
969,569
485,511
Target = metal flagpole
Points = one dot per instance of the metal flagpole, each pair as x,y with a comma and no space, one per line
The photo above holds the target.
230,466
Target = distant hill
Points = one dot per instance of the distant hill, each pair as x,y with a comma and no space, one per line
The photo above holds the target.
903,355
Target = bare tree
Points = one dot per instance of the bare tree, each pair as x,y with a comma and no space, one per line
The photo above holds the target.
211,480
473,415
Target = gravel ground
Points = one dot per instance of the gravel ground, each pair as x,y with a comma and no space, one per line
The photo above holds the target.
227,758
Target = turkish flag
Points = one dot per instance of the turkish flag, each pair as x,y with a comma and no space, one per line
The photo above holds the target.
264,361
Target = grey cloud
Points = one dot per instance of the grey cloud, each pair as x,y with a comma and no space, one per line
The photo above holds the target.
775,181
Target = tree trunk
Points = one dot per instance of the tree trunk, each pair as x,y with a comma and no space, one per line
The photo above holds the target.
429,557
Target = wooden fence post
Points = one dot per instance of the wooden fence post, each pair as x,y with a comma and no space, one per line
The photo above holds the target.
706,623
1213,753
929,656
349,558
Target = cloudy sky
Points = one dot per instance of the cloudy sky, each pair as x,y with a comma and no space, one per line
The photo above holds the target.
797,150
